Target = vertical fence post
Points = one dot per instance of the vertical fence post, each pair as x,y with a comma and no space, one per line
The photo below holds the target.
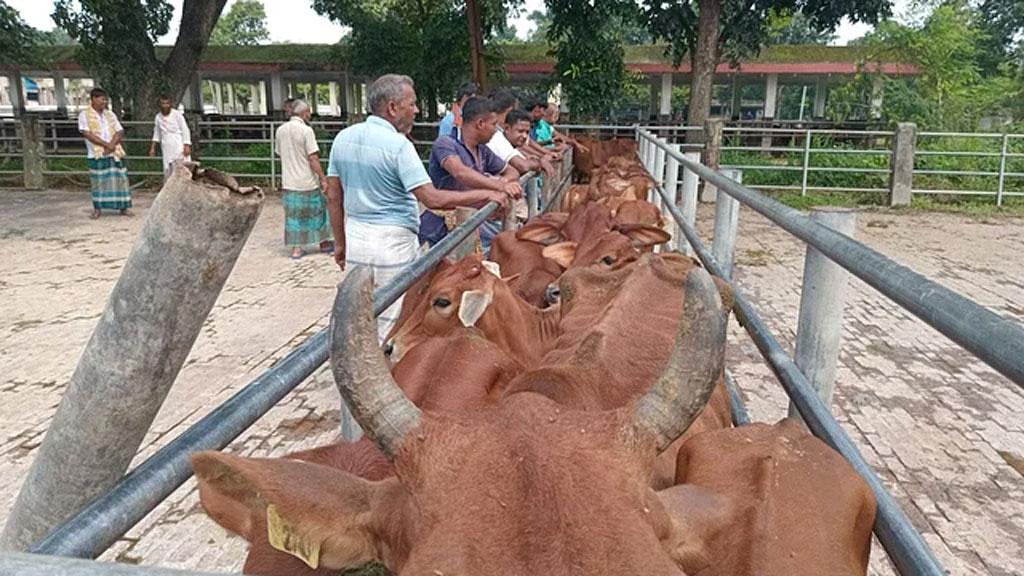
712,155
32,150
672,187
822,299
531,195
659,167
188,245
1002,170
807,161
689,201
901,181
273,164
727,218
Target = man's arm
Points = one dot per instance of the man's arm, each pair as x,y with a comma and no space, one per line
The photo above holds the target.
472,179
336,211
95,139
510,173
186,134
156,138
446,199
314,165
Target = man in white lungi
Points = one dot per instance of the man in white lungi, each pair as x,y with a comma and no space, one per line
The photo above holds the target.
171,132
374,179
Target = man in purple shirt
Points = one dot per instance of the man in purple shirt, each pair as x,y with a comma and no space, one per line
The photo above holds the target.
463,161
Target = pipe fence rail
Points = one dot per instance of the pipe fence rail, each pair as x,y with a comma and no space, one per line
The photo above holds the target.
108,517
995,340
800,158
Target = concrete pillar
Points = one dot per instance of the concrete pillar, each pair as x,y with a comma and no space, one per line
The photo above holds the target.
277,92
232,104
712,153
736,110
16,91
60,94
33,152
901,181
876,97
691,182
655,85
822,299
188,245
771,92
218,96
665,109
820,95
333,88
727,218
672,188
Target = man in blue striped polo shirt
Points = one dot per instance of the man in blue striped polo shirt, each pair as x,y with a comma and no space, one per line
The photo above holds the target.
374,178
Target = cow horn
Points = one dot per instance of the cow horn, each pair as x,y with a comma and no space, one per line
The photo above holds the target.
360,369
694,367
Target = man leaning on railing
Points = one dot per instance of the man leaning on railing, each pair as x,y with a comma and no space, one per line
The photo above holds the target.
375,178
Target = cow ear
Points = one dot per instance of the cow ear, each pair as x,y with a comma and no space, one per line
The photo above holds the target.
642,235
474,304
541,232
562,253
315,513
492,267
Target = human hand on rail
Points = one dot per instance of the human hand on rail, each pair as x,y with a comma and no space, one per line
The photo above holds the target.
513,189
500,197
548,167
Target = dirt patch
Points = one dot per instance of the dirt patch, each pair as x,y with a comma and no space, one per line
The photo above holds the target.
755,258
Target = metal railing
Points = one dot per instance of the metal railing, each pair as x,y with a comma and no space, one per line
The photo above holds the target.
108,517
995,340
777,159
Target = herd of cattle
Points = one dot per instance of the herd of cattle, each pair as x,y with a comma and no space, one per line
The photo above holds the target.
559,409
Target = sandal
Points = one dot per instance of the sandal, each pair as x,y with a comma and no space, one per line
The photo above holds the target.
95,214
298,253
327,247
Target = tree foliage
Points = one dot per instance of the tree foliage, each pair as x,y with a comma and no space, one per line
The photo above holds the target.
588,51
19,42
118,45
788,27
245,24
425,39
1002,22
953,90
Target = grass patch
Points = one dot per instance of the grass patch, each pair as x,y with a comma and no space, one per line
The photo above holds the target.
844,199
967,205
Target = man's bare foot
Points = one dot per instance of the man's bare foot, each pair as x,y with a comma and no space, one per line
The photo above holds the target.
126,212
95,213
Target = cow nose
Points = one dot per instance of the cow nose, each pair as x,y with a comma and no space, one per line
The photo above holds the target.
552,294
389,348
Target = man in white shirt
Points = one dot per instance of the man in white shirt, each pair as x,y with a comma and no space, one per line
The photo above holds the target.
171,132
306,220
108,176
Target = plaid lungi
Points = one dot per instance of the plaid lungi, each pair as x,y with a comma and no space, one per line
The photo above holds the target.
305,217
108,179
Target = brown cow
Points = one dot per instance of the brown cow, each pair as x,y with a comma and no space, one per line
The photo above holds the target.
525,487
617,329
592,153
466,293
785,503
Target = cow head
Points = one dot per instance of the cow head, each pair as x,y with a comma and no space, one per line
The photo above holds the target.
524,487
610,250
458,295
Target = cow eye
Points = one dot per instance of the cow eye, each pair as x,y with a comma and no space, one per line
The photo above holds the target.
442,302
608,260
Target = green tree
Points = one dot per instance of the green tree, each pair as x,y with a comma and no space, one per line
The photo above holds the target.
952,91
710,31
788,27
589,54
1002,21
542,22
19,42
117,44
245,24
429,41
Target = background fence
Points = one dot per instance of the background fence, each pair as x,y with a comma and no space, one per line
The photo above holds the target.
780,160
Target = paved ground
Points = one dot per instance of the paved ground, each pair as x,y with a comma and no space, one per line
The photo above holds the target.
944,431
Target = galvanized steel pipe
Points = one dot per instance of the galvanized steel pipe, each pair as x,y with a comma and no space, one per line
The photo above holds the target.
107,518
